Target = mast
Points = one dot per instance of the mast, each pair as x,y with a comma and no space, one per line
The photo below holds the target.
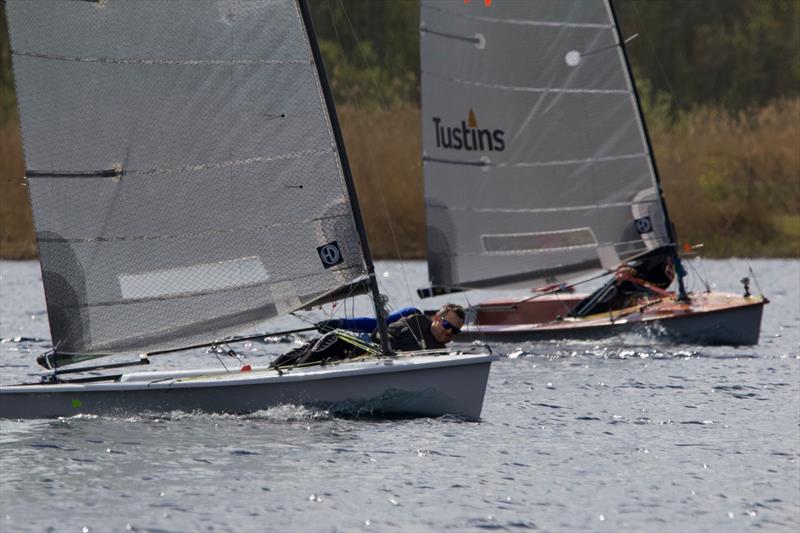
348,176
670,229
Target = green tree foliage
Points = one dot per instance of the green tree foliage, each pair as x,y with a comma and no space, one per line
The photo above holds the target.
7,100
370,49
690,53
733,53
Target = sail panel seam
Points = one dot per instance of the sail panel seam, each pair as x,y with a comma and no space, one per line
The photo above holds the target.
81,240
450,35
522,22
522,164
539,209
557,90
147,172
133,61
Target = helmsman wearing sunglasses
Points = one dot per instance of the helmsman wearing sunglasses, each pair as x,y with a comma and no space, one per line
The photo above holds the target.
409,330
421,332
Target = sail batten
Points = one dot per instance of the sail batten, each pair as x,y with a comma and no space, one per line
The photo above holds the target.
530,89
536,167
150,61
183,172
540,209
516,20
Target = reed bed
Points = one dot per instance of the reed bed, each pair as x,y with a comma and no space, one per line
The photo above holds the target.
17,240
384,147
731,182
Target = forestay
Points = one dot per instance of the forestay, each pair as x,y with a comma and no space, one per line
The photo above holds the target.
536,164
182,169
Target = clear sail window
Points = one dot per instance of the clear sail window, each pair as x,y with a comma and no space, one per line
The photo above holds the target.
538,242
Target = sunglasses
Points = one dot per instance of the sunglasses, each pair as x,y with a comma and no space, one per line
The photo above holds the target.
451,327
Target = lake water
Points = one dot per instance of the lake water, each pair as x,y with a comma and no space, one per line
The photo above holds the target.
626,434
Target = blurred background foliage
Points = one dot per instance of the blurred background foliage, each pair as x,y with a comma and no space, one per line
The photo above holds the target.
732,53
719,82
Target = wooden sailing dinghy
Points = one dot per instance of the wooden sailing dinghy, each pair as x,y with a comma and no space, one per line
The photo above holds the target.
188,179
539,172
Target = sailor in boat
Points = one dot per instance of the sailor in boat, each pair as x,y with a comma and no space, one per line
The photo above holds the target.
409,329
643,279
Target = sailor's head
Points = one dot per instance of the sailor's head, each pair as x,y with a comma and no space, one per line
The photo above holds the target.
447,323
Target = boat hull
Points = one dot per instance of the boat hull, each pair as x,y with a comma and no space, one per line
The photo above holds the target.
707,319
400,386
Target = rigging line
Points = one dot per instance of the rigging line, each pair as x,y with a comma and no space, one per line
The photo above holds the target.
655,54
611,46
133,61
229,340
755,278
470,306
561,288
216,354
704,276
370,162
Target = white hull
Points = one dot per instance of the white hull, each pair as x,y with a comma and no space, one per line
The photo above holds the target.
398,386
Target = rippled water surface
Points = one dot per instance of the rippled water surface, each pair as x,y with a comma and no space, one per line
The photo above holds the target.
626,434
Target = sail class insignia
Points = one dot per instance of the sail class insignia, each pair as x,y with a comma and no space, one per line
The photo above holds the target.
644,225
330,254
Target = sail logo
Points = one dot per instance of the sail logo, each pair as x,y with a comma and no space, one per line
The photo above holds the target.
330,254
643,225
468,136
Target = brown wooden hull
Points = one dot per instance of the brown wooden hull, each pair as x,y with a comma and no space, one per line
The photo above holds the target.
706,318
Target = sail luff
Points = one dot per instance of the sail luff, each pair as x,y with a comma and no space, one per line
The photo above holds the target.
348,178
682,295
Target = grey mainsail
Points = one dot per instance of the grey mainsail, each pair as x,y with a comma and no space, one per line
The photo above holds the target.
536,163
182,167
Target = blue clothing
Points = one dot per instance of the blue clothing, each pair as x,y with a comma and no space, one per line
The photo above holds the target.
365,324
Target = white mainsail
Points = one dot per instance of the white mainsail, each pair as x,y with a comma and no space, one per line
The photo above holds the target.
536,164
183,172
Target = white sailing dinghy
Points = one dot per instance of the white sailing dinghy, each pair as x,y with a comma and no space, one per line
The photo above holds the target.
539,171
188,179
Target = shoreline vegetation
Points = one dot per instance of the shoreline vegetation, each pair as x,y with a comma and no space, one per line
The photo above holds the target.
719,83
732,182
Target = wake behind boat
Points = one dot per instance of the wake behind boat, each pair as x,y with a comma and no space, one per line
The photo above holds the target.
188,180
539,171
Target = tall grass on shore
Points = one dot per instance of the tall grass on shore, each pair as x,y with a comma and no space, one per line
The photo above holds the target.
17,239
384,147
731,182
